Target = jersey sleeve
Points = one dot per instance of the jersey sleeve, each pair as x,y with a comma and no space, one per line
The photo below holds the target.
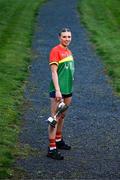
54,57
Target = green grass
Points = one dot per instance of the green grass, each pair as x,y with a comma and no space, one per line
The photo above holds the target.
102,18
17,18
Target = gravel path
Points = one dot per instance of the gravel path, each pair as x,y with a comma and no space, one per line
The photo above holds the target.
92,125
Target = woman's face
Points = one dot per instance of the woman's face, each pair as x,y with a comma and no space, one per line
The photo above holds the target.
65,38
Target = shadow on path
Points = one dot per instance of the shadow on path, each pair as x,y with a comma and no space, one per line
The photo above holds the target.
92,126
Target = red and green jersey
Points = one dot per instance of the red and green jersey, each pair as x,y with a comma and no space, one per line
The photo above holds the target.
63,58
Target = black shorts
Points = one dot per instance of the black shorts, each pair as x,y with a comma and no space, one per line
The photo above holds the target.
52,95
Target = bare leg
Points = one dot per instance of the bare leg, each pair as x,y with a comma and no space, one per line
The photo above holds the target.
60,123
52,150
52,130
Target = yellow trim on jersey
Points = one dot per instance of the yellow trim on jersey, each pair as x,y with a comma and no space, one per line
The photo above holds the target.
68,58
53,63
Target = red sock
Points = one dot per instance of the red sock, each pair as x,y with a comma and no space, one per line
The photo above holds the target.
58,136
52,144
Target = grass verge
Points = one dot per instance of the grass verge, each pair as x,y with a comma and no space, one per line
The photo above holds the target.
102,18
16,27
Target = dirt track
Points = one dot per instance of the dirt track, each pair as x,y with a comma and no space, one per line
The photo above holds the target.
92,126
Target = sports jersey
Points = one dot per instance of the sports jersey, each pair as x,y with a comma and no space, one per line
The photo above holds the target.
63,58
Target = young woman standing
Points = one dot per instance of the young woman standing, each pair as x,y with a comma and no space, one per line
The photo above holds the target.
61,87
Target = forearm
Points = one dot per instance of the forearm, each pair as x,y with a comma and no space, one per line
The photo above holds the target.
55,80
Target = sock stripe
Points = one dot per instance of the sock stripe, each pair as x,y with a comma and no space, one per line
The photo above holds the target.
52,144
58,136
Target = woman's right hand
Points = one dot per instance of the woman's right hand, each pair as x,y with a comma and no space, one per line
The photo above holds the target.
58,95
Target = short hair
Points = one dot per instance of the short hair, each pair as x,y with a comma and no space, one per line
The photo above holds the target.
64,30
